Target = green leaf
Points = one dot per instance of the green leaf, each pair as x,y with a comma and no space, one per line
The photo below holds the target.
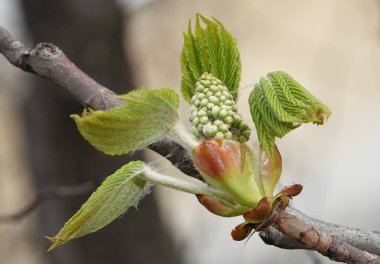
279,104
211,49
146,117
112,199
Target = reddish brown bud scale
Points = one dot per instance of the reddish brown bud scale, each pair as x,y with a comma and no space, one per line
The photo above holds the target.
291,191
209,159
260,213
242,231
213,159
220,207
229,165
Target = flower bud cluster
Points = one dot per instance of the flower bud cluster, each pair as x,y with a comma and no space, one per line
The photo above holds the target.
214,113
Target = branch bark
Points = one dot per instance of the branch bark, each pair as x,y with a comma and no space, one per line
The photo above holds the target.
297,231
327,245
48,61
362,239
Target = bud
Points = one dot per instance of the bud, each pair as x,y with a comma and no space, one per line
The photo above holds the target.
290,191
213,104
241,231
220,207
271,168
229,165
260,213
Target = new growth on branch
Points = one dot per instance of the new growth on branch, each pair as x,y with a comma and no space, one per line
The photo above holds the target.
236,178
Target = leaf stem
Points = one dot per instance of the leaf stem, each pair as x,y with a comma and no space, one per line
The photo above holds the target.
182,136
184,185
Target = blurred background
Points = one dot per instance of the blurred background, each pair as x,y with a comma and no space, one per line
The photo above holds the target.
332,47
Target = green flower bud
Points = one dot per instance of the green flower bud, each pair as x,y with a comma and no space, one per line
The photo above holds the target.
210,106
227,94
218,122
229,102
223,113
200,88
213,99
203,120
228,135
195,131
204,102
223,128
200,96
214,88
247,133
219,135
228,120
215,111
210,130
195,121
222,88
213,105
202,113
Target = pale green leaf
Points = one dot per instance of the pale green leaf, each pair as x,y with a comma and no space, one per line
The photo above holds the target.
111,200
146,117
211,49
279,104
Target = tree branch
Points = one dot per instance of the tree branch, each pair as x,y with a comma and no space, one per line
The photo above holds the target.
49,62
327,245
362,239
54,192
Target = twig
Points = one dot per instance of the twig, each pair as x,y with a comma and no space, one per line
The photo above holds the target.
54,192
362,239
313,239
49,62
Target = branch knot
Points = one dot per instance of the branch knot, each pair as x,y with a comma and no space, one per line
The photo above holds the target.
46,51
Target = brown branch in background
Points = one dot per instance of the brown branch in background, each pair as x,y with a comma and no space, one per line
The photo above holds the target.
54,192
49,62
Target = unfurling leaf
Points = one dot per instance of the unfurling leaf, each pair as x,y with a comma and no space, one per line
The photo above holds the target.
212,49
112,199
146,117
279,104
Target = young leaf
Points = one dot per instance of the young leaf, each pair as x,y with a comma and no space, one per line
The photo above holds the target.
212,49
112,199
279,104
146,116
